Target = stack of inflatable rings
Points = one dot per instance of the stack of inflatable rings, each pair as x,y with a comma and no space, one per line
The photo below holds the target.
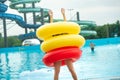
61,41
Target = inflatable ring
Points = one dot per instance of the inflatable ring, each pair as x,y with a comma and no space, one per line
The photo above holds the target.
73,53
49,30
62,41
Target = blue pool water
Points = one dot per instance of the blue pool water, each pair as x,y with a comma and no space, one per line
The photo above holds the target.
25,63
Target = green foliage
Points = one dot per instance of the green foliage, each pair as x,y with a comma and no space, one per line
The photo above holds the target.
12,41
108,30
0,35
1,42
101,31
104,31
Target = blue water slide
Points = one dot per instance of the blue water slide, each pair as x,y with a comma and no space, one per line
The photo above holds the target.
3,7
17,4
18,19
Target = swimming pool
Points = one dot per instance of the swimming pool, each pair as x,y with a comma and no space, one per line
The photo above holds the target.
26,64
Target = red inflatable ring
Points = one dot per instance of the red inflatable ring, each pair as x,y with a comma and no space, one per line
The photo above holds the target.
61,54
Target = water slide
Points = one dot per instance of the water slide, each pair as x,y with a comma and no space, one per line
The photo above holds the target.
18,19
20,5
84,23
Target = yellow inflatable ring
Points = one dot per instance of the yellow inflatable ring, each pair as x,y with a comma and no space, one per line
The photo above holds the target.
54,29
62,41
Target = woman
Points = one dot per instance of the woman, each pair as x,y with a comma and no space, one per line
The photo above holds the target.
68,62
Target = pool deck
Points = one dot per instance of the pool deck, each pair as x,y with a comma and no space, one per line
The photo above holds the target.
104,78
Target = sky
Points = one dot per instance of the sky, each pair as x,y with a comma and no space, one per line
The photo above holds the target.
100,11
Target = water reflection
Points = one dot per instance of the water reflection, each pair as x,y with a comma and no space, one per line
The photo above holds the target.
13,63
4,66
97,64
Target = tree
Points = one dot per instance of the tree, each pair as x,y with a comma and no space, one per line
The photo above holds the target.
108,30
1,42
12,41
117,25
101,31
0,35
